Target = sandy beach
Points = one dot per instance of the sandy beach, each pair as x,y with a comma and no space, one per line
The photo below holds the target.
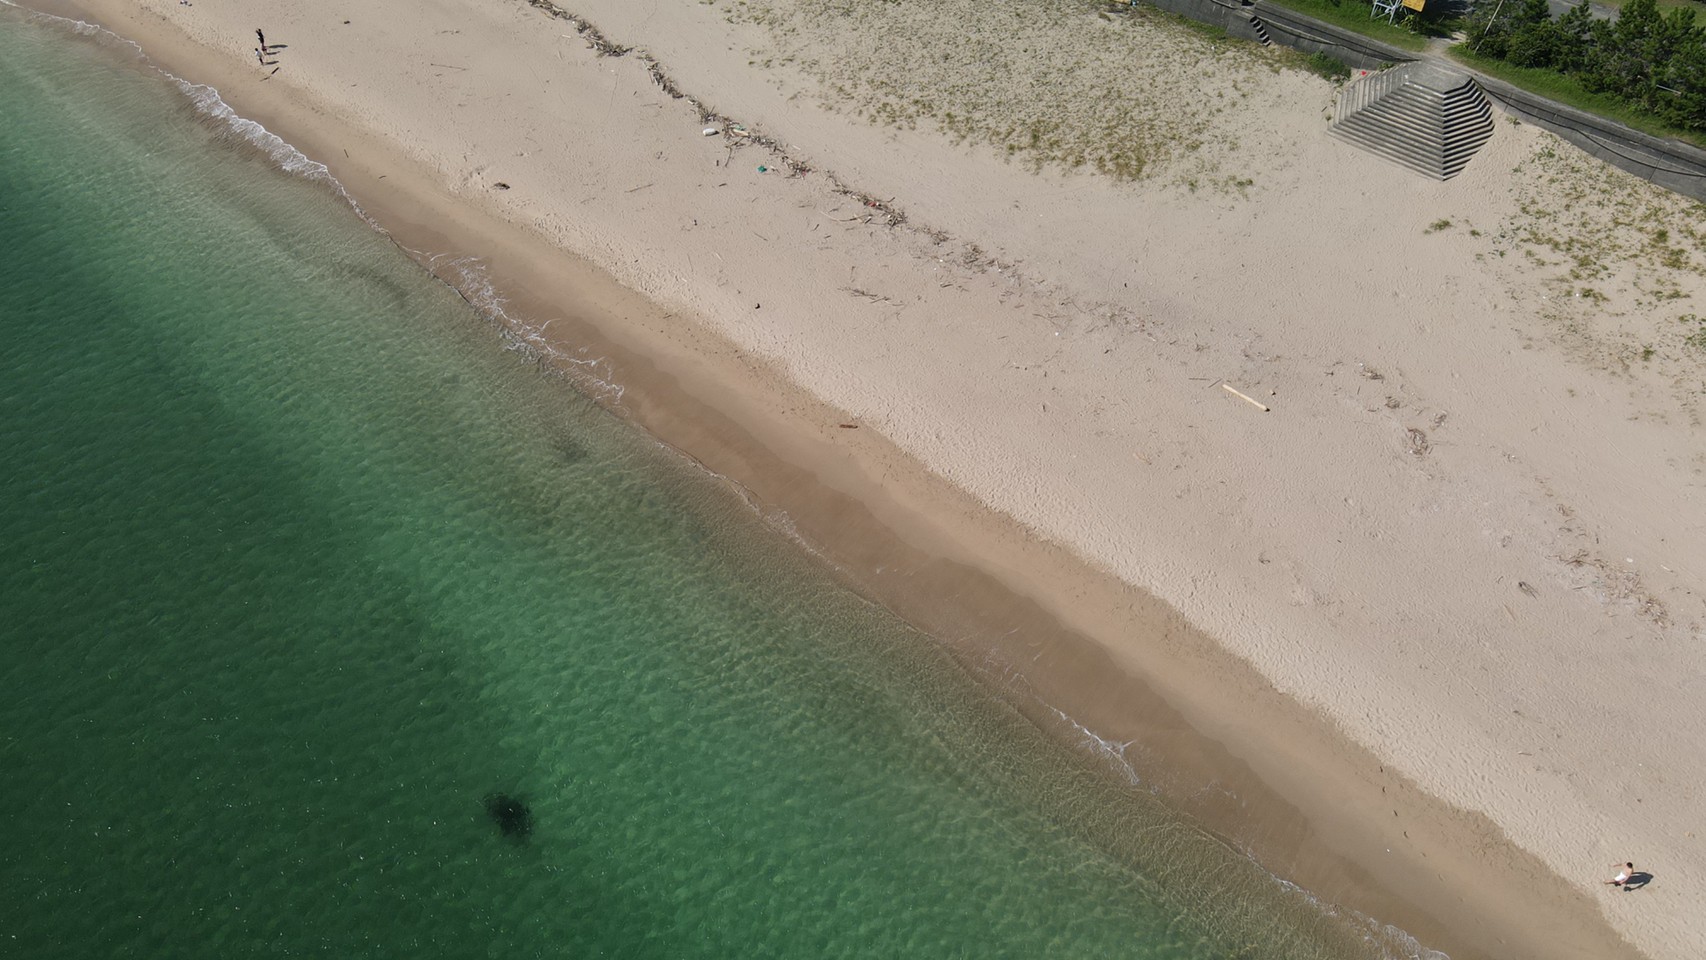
953,292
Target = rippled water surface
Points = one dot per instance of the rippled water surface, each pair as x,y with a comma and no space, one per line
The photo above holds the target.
302,569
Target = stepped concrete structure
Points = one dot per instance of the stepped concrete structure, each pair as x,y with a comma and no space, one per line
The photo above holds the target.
1422,115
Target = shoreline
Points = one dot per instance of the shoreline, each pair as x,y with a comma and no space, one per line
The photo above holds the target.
900,533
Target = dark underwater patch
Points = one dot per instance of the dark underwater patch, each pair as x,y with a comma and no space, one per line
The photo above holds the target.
512,815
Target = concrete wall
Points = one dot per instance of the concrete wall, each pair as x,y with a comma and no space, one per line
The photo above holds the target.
1290,28
1671,164
1293,29
1219,13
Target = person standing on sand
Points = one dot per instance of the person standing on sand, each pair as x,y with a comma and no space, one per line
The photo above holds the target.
262,38
260,56
1624,872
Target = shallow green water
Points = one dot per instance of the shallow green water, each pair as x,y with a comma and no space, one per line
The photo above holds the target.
300,563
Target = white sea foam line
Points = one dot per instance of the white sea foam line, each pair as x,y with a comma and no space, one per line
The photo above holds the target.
777,520
288,158
1383,936
470,278
1108,750
1393,942
283,154
77,26
208,102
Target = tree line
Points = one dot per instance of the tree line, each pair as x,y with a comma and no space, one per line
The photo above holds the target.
1656,63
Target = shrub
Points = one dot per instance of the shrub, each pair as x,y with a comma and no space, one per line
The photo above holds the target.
1655,63
1328,66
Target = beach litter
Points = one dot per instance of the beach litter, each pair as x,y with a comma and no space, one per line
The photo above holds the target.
1252,401
709,132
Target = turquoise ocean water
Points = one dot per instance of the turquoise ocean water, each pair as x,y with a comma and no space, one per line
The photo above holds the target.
300,564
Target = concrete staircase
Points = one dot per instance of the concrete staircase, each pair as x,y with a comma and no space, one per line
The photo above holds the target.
1261,29
1421,115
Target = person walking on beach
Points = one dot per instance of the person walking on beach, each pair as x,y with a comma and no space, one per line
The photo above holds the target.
1624,873
262,38
260,56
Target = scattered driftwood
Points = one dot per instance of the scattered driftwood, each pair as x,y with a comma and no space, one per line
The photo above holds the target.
892,215
584,27
868,295
737,135
1252,401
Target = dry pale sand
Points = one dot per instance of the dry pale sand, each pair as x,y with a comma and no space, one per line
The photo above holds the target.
1452,579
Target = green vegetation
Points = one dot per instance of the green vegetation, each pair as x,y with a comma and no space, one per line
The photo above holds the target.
1329,67
1411,32
1567,90
1209,31
1665,5
1650,63
1697,339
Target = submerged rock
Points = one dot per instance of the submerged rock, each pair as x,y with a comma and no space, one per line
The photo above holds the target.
512,816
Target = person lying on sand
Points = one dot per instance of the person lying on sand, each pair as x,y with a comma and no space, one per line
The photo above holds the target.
1624,872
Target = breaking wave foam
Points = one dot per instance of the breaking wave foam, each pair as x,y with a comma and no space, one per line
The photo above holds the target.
466,275
1388,941
470,279
207,101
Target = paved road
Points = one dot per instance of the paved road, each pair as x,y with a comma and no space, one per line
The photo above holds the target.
1558,7
1598,10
